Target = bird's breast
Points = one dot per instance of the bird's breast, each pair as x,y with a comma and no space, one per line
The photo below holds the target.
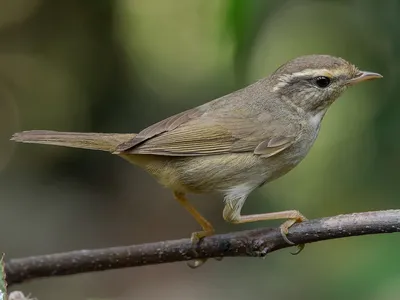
285,161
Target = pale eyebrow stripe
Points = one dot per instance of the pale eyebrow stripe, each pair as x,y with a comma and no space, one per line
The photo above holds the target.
284,80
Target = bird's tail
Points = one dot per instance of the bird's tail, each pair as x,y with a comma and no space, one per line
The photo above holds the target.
94,141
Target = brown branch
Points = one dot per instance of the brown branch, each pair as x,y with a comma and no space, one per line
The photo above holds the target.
251,243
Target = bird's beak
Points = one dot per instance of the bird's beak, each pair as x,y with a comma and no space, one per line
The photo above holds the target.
363,76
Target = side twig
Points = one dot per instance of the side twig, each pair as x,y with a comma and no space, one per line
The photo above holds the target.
251,243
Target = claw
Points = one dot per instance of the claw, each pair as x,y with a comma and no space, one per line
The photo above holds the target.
193,264
284,232
299,249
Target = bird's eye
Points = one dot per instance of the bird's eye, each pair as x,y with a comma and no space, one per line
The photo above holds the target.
322,81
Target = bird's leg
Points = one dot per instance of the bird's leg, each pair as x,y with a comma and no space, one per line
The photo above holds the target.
208,229
232,214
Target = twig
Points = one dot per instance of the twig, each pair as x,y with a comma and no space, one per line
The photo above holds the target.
251,243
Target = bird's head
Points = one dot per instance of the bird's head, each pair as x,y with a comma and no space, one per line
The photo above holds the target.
313,82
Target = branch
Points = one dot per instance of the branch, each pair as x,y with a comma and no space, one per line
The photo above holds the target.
250,243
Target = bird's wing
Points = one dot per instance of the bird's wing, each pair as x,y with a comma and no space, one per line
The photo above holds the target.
195,132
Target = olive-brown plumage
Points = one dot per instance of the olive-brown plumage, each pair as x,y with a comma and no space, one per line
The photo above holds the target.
235,143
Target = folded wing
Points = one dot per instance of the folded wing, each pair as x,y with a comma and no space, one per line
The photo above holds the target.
195,133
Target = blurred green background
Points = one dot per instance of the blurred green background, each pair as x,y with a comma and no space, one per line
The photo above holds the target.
121,65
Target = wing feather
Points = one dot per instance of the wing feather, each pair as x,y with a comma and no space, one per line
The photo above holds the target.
196,132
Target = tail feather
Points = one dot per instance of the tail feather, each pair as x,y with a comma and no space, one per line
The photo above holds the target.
94,141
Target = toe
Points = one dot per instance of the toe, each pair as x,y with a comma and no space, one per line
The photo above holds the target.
194,264
299,249
197,236
284,232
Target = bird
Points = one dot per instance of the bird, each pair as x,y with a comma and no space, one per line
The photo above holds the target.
233,144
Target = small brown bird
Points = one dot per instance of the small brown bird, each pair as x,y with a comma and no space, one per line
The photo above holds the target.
235,143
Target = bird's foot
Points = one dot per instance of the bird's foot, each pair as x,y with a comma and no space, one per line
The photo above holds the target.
196,239
285,230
